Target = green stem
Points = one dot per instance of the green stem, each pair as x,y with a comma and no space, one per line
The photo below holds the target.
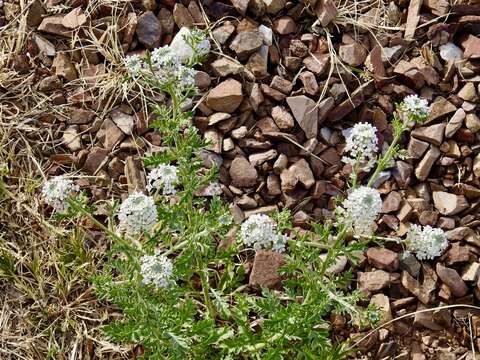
385,159
206,293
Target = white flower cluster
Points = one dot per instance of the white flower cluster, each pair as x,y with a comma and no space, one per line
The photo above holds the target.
359,211
427,243
156,270
137,213
260,231
414,107
163,177
166,67
362,145
56,191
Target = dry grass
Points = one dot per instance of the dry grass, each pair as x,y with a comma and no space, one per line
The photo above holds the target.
48,309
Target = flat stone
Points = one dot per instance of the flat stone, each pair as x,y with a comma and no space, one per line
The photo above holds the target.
373,281
455,123
182,16
282,118
81,116
71,138
284,25
416,148
440,108
392,202
241,5
124,121
425,165
425,319
243,173
471,272
468,92
410,72
149,30
166,20
53,25
215,139
303,173
223,67
409,263
135,174
472,122
317,63
246,43
449,204
471,47
265,269
309,82
306,114
432,134
63,67
382,303
451,278
261,157
95,160
383,259
325,11
353,54
226,96
74,19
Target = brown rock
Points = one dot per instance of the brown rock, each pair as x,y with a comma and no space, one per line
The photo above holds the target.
265,269
110,134
35,12
63,67
95,160
303,173
135,174
373,281
241,5
261,157
243,174
425,165
449,204
473,123
392,202
284,25
81,116
455,123
215,139
246,43
432,134
440,108
383,259
274,6
124,121
410,73
282,118
451,278
468,92
149,30
226,96
74,19
317,63
182,16
309,82
53,25
471,47
306,114
166,21
353,54
325,11
281,84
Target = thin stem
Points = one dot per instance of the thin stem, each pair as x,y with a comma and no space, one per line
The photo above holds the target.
206,293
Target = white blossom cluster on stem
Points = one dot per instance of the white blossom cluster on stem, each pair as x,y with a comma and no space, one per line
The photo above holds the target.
361,145
56,191
426,243
137,214
260,232
156,270
415,108
360,210
164,177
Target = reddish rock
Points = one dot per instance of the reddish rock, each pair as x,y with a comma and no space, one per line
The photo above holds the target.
471,46
353,54
226,96
265,271
451,278
243,174
383,259
449,204
149,30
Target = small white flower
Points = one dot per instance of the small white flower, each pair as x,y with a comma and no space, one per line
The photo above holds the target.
260,231
156,270
137,213
163,177
415,107
360,210
56,191
427,243
362,145
165,58
134,64
186,77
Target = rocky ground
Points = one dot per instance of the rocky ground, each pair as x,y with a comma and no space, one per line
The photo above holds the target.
284,79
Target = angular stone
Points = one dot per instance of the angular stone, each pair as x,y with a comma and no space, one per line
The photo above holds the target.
95,160
409,263
451,278
166,20
303,173
471,47
471,272
425,319
309,82
215,139
472,123
382,303
124,121
425,165
383,259
449,204
53,25
410,72
392,202
149,30
468,92
284,25
455,123
439,108
71,138
306,114
135,174
265,269
182,16
432,134
246,43
241,5
317,63
243,173
282,118
81,116
226,96
63,67
224,67
274,6
74,19
373,281
35,12
261,157
353,54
